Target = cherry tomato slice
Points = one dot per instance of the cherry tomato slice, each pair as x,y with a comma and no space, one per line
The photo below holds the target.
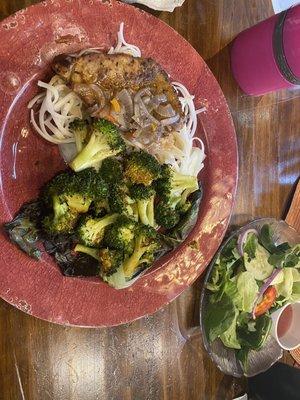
267,301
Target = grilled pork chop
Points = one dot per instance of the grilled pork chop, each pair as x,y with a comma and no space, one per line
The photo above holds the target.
112,73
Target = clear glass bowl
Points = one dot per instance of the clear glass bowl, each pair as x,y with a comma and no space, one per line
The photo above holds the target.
263,359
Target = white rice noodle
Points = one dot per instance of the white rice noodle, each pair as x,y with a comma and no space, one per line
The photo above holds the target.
58,106
188,107
83,52
123,47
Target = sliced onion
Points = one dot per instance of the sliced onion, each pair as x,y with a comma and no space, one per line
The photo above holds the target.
124,97
90,93
166,111
170,121
242,239
68,151
141,114
264,288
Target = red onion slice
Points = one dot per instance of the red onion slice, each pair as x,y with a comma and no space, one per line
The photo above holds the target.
264,288
242,239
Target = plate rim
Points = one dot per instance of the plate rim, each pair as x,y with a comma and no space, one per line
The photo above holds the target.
236,164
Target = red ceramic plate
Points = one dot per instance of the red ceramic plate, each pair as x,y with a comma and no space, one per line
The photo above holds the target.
29,40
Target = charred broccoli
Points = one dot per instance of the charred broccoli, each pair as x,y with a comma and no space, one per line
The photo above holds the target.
77,190
91,230
100,208
174,187
144,196
146,244
105,141
120,235
80,132
142,167
62,218
111,170
110,261
67,195
120,202
165,215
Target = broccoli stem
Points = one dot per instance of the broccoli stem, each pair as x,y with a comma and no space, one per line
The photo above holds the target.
79,140
95,151
146,211
130,265
105,221
87,250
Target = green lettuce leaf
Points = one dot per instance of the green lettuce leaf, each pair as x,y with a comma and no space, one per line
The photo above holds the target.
295,292
250,246
247,290
259,266
229,337
285,288
255,338
218,317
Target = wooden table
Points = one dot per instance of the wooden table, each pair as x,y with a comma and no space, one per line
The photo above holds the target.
150,359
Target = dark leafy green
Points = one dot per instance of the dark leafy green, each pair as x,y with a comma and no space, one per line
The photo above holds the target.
265,238
187,222
71,263
254,337
280,256
175,236
24,229
218,318
242,356
283,260
250,246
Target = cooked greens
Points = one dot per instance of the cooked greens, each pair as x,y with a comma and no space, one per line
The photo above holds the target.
24,229
103,221
252,276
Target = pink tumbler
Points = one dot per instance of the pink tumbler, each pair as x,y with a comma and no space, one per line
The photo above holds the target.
266,57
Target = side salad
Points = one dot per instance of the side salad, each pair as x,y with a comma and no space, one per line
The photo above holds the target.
252,277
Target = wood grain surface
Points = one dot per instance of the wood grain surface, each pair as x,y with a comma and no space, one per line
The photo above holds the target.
293,216
151,359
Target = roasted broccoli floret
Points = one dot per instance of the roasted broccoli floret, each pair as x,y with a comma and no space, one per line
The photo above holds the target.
100,208
80,132
111,170
62,219
110,261
165,215
77,190
142,167
91,230
121,203
67,195
105,141
120,235
144,197
146,244
175,187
